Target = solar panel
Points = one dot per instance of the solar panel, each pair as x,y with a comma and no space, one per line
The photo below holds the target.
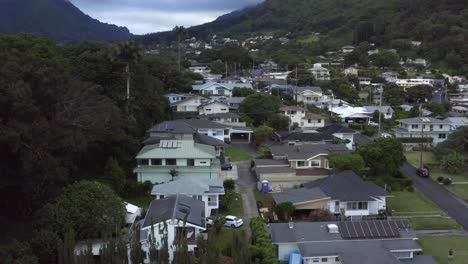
372,229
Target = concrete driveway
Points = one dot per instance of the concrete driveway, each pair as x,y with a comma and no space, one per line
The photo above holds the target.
452,205
245,185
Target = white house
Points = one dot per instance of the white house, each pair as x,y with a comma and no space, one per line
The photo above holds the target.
320,73
457,122
207,191
200,69
347,49
390,77
230,119
189,104
351,71
344,193
213,108
348,113
300,117
341,132
311,95
176,97
423,127
170,217
406,83
386,110
220,89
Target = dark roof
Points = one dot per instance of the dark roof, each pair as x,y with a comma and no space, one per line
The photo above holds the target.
179,207
307,151
360,139
419,259
299,195
263,170
347,186
200,123
207,140
304,136
178,127
266,162
220,115
156,140
335,128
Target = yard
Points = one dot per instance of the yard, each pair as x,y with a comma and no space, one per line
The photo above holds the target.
420,210
231,204
438,247
266,199
413,158
235,153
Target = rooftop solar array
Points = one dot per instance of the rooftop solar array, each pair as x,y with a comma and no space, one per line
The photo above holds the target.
169,144
372,229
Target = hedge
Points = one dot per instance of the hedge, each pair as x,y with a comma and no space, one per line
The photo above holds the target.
262,244
416,140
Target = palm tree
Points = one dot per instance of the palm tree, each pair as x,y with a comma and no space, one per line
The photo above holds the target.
129,53
180,32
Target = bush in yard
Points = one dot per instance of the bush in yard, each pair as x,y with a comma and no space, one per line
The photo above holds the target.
262,248
410,189
229,185
453,163
285,210
447,181
320,215
218,223
440,179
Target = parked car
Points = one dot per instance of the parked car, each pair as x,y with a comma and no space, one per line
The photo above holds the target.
226,166
423,172
233,221
372,123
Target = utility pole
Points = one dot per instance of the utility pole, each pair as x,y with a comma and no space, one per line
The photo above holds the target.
295,95
380,112
422,136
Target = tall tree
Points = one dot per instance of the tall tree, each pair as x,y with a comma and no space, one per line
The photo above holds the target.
180,32
114,175
137,255
129,53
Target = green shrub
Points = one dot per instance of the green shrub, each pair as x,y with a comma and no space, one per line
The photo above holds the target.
410,189
285,210
447,181
440,179
262,248
229,185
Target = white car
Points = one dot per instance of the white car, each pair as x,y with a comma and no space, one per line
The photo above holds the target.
372,123
233,221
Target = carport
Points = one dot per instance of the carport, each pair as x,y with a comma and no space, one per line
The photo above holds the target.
241,134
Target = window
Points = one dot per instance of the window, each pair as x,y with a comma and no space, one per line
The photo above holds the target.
208,109
315,260
203,162
319,120
301,164
190,162
161,196
143,162
441,126
223,109
337,259
356,206
414,126
442,136
324,259
156,162
315,163
171,162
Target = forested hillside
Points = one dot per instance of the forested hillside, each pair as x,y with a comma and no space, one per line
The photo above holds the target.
64,115
442,26
57,19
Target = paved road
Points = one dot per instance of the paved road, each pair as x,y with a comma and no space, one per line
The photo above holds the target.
246,184
438,96
452,205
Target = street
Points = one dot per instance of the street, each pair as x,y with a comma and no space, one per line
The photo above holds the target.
452,205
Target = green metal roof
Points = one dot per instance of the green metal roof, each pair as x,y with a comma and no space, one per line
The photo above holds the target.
184,149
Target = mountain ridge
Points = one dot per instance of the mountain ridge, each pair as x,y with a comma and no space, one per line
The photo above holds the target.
57,19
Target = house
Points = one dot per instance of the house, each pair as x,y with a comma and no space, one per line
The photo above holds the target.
133,212
389,77
365,81
348,242
457,122
300,117
320,73
233,102
220,89
350,114
341,132
200,69
189,104
157,162
351,71
386,110
213,107
423,127
224,132
347,49
406,83
310,95
462,88
307,156
302,137
175,97
343,194
229,119
207,191
170,217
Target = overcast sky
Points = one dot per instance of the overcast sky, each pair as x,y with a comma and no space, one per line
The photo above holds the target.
146,16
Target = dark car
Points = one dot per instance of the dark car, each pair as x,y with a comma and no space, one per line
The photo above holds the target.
226,166
423,172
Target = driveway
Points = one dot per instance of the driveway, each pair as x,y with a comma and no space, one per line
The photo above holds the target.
245,184
453,206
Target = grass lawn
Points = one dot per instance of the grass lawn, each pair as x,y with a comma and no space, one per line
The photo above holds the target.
141,201
234,206
236,153
265,198
438,247
414,203
413,158
462,177
461,190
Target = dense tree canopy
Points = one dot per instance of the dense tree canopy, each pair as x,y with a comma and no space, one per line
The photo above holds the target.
259,107
383,157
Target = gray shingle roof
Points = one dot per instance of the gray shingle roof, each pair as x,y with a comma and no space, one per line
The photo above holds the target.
335,128
178,207
189,186
207,140
263,170
266,162
361,139
301,152
200,124
177,127
347,186
423,120
304,136
419,259
299,195
305,88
